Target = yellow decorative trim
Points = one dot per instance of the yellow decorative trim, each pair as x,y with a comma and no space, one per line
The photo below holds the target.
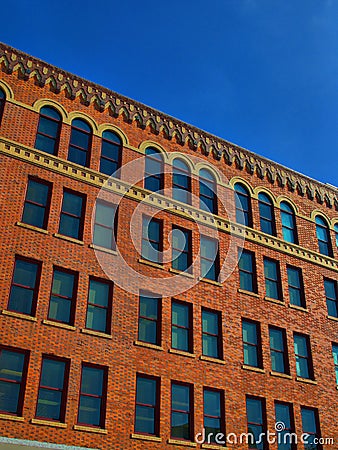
150,263
48,102
7,90
115,129
333,318
48,423
90,429
103,249
68,238
274,300
145,144
184,443
145,437
177,155
241,180
212,360
181,353
263,190
59,325
31,227
10,417
214,446
180,272
96,333
306,380
252,294
298,308
318,212
284,198
5,312
281,375
206,280
137,193
147,345
253,369
204,165
81,115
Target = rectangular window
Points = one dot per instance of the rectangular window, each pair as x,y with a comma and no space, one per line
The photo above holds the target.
211,334
99,306
152,240
181,331
209,258
252,344
303,356
273,285
213,413
72,215
36,207
92,403
247,272
331,293
52,389
181,411
147,405
25,286
13,372
63,296
149,323
255,411
335,360
296,287
310,425
181,249
278,350
284,415
104,231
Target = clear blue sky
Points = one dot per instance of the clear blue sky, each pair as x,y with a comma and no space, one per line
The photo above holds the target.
260,73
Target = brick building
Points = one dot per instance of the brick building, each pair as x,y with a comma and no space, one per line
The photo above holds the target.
95,354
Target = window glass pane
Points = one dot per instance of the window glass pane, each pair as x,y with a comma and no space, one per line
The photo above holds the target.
9,397
270,269
104,214
21,300
90,410
308,420
180,339
103,237
210,322
25,273
69,226
147,331
246,281
50,112
148,307
300,346
11,365
146,391
96,318
289,235
254,410
208,248
49,404
293,277
63,284
180,314
277,362
49,127
145,420
37,192
80,139
72,204
210,346
52,373
180,425
45,143
180,397
98,293
111,136
212,403
92,381
330,289
250,355
77,156
250,332
276,339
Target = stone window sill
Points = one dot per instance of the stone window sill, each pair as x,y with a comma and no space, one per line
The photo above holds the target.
182,353
5,312
212,360
48,423
59,325
306,380
333,318
31,227
148,345
274,300
214,446
90,429
243,291
145,437
150,263
11,417
298,308
184,443
103,249
206,280
96,333
281,375
180,272
253,369
68,238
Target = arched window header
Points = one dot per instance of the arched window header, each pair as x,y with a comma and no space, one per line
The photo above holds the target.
50,112
82,125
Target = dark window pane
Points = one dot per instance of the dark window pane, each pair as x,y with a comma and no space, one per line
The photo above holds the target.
92,381
24,287
90,410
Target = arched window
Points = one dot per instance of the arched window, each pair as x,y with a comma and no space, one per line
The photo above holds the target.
336,233
153,172
266,214
111,152
181,181
2,103
288,223
80,142
323,236
243,205
48,134
208,189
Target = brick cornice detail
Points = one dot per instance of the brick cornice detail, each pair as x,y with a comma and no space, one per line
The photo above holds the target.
27,67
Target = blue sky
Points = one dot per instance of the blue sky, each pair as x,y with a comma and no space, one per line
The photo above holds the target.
260,73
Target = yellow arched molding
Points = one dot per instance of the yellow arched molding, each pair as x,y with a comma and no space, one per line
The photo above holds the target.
240,180
7,90
284,198
203,165
334,223
80,115
109,127
38,104
145,144
184,158
318,212
261,189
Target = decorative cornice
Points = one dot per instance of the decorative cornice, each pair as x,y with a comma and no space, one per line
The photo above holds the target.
137,193
27,67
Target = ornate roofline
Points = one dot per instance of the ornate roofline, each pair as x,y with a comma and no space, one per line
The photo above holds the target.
13,60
